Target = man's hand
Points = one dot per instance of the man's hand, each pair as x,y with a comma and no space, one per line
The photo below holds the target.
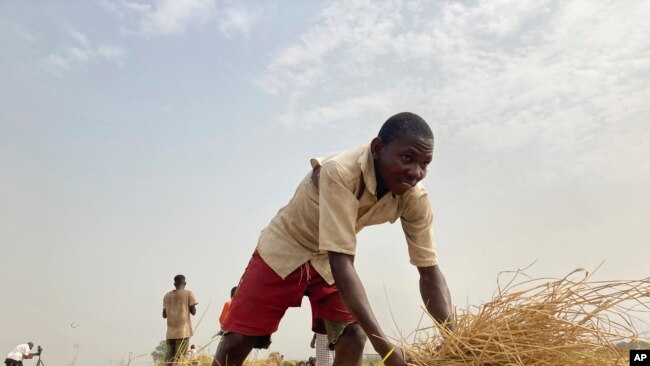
397,358
312,344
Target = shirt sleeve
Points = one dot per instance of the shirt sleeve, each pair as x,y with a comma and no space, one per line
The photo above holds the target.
417,222
338,209
24,349
192,299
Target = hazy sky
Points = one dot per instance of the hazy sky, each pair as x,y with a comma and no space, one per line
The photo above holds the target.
144,138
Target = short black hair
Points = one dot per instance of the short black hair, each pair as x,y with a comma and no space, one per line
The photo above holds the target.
402,125
179,278
232,291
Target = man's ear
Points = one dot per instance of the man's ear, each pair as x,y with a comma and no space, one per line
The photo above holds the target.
375,147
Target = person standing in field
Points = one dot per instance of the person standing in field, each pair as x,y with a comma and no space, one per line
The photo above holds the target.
20,353
226,309
310,245
320,342
191,351
324,355
178,304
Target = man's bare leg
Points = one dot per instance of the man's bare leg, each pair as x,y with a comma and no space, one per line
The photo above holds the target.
233,349
348,350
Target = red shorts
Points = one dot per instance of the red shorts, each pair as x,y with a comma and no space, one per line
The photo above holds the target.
263,297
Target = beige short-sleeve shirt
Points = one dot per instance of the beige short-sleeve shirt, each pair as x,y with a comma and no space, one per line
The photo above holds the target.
327,216
177,306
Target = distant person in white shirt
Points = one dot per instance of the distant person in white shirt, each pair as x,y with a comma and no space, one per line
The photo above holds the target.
20,353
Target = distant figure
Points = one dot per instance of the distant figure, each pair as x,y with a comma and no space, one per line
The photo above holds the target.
191,351
226,310
320,341
178,304
324,355
20,353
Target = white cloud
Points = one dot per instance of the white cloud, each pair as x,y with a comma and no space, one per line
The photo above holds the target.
56,62
347,27
83,52
170,17
564,82
111,52
237,19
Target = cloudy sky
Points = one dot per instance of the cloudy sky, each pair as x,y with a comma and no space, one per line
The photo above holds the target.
144,138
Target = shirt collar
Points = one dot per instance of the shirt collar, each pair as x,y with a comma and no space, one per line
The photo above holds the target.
367,163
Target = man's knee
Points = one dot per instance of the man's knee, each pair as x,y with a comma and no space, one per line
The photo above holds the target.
353,336
233,349
230,341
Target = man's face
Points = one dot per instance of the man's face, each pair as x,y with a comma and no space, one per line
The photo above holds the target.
403,162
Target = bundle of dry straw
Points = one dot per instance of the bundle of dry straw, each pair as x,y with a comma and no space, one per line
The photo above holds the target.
551,322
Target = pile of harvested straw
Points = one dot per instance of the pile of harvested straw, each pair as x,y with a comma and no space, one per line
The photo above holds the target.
274,359
200,359
557,322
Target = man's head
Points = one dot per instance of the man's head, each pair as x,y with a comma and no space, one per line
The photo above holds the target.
232,291
30,344
179,281
402,151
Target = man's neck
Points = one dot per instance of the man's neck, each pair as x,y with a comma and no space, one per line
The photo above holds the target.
381,186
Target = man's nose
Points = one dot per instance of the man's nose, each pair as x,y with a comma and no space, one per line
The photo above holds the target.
415,172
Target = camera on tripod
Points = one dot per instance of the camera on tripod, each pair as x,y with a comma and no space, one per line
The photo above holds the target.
39,350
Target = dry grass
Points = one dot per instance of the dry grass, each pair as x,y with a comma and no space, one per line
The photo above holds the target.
202,359
274,359
557,322
199,359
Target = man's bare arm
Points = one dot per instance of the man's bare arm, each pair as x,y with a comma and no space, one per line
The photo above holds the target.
436,296
31,355
193,309
354,296
164,314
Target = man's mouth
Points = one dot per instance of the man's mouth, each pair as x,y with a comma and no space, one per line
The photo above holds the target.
408,183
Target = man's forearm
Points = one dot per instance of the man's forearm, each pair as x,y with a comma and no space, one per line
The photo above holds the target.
435,295
354,296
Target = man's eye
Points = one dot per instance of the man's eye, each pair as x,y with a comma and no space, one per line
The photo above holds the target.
406,158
